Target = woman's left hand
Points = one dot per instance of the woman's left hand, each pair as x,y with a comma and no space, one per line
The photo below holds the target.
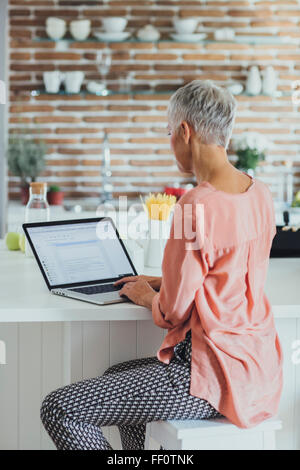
139,292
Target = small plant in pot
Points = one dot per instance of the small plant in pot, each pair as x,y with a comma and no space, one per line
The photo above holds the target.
250,149
26,159
55,195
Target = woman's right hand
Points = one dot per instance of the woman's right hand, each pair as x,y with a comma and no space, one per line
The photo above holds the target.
153,281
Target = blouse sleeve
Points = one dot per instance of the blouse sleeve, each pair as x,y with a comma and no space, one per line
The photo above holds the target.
183,273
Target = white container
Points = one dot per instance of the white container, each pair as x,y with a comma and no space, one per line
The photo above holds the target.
56,28
73,81
254,83
52,81
37,209
155,245
185,25
224,34
80,29
270,81
148,33
114,24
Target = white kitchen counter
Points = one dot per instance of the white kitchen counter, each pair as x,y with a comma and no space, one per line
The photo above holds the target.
52,341
25,296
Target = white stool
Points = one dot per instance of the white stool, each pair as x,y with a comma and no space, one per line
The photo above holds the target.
215,434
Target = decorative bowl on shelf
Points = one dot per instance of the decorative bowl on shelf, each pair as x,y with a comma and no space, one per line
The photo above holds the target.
56,28
102,36
224,34
185,25
95,87
148,33
196,37
114,24
80,29
235,88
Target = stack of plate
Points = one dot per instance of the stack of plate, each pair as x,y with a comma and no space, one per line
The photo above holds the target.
103,36
192,37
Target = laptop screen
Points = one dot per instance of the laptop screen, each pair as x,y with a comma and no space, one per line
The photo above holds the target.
81,252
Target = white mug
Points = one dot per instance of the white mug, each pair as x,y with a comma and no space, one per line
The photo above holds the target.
52,81
114,24
185,25
56,28
80,29
73,81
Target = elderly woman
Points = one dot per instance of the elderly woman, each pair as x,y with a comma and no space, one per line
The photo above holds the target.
221,354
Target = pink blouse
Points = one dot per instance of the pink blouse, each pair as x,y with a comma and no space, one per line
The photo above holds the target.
217,292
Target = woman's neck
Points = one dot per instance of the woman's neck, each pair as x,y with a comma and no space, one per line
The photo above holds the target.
210,162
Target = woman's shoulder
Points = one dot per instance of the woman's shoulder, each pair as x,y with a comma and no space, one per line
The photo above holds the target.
196,195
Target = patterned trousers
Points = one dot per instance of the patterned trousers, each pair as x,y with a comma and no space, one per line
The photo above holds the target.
128,395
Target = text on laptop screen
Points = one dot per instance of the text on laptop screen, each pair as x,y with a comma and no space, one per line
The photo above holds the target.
73,253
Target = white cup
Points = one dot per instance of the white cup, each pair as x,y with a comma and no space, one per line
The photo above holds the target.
56,28
73,81
185,25
114,24
80,29
52,81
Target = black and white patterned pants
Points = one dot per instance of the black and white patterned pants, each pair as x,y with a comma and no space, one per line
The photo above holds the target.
128,395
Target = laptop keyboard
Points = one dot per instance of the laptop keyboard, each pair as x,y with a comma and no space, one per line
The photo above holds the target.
98,289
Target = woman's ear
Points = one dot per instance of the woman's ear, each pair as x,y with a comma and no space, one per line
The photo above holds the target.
186,131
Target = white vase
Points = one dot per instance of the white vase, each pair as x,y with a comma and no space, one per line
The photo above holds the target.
52,81
158,235
269,86
80,29
254,83
73,81
56,28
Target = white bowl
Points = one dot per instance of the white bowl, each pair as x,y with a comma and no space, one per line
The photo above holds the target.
56,28
185,25
114,24
80,29
101,36
196,37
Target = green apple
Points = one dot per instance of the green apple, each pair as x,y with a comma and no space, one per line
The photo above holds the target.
12,241
297,197
22,242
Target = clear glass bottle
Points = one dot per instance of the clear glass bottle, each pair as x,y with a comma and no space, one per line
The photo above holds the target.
37,209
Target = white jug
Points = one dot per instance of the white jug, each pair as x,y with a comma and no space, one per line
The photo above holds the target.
269,81
254,83
52,81
73,81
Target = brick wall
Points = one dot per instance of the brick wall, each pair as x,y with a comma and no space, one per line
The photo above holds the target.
73,126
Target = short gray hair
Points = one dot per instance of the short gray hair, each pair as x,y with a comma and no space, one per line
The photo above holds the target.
207,107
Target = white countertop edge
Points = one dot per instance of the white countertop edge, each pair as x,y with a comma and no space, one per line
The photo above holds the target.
108,314
70,315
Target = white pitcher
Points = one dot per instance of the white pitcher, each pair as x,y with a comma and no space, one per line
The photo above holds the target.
52,81
269,86
73,81
254,83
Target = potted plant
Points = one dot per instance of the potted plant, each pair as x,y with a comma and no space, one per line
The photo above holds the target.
26,159
55,195
250,149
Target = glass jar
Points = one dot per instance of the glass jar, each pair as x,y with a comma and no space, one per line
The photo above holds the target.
37,209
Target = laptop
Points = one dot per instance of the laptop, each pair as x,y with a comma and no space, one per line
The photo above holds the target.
81,259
